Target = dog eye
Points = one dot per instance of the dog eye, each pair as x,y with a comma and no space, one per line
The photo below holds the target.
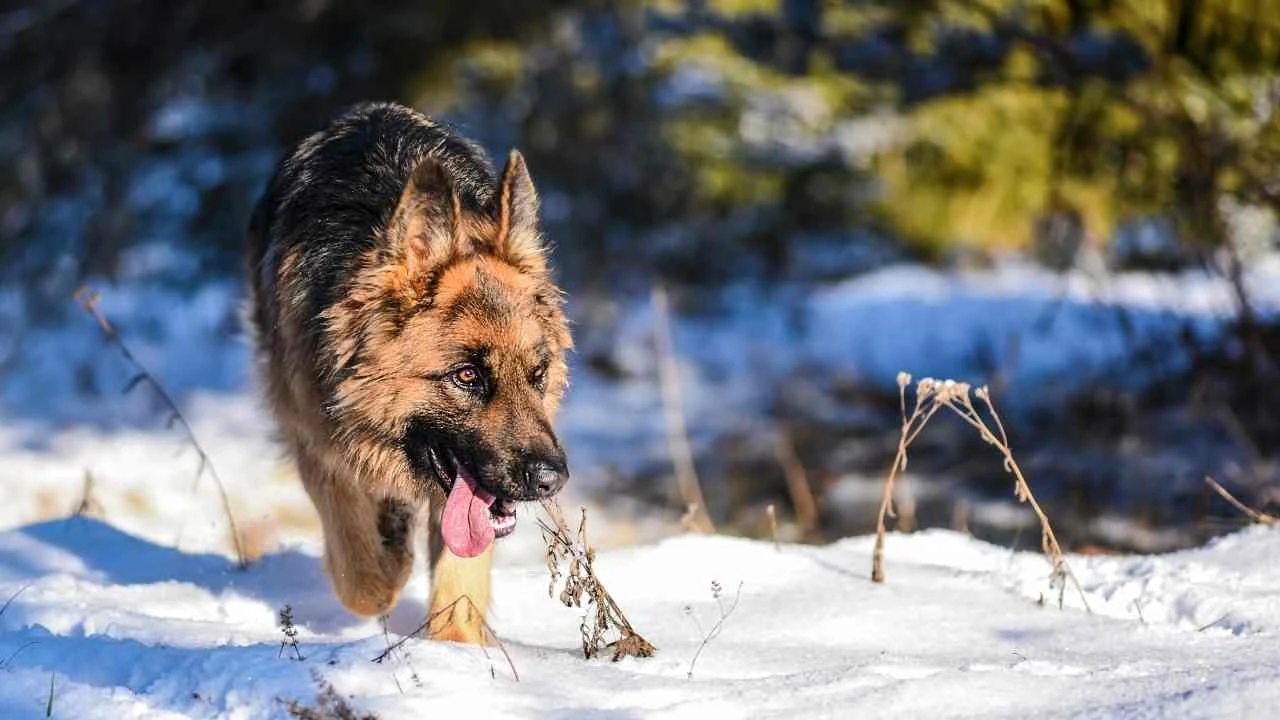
468,377
538,378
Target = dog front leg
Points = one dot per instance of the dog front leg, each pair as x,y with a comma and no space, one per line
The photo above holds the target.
459,591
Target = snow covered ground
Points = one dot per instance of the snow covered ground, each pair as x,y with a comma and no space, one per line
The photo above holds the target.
125,628
134,610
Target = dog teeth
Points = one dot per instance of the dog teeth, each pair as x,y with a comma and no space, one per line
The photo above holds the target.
503,523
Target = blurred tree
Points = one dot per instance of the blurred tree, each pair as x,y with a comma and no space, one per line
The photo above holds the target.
1018,110
1117,111
144,123
709,139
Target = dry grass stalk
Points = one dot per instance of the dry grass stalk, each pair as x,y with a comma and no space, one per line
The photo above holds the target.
88,300
932,395
912,424
772,515
1255,515
13,597
673,414
87,504
490,635
290,632
717,594
603,616
802,498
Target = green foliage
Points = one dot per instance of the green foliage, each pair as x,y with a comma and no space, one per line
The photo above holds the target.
662,131
1192,119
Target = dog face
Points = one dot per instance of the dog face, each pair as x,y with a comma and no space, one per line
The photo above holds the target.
494,375
455,350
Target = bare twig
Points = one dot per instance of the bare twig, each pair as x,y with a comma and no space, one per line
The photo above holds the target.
1225,615
87,503
7,662
88,300
1254,515
921,412
489,633
603,613
13,597
798,486
714,633
673,413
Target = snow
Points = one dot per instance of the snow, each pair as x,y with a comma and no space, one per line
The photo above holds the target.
134,608
127,628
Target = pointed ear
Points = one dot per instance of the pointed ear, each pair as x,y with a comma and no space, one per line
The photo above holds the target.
421,233
519,240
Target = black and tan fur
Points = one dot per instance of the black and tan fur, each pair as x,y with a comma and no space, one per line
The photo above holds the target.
384,256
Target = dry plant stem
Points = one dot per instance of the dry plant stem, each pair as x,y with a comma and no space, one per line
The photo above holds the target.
931,395
958,400
89,301
8,662
911,426
1259,517
390,649
798,487
963,406
86,503
715,629
673,414
581,580
13,597
772,515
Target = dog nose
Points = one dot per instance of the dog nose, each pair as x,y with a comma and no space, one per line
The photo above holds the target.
544,479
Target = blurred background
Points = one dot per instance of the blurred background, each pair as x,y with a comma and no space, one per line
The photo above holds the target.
762,210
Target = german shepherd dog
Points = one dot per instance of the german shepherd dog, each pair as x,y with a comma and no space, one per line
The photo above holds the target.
411,345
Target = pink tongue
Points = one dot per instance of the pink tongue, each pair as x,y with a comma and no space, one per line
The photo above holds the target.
465,521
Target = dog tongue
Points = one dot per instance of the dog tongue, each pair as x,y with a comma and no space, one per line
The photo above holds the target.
464,523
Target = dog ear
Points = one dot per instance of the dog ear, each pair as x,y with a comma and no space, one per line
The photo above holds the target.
519,240
422,232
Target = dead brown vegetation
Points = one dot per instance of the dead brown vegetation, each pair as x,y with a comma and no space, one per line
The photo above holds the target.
931,396
603,615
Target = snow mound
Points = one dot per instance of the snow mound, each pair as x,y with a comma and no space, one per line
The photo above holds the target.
127,628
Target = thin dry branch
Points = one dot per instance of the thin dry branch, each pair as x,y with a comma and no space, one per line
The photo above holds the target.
603,614
931,395
87,503
88,300
13,597
491,635
714,632
1254,515
912,424
696,518
802,498
771,515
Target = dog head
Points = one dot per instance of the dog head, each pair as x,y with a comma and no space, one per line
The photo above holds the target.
457,350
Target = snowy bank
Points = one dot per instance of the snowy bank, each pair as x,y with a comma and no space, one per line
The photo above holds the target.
125,628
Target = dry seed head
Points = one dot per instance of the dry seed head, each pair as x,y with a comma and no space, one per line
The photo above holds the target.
949,390
904,379
982,393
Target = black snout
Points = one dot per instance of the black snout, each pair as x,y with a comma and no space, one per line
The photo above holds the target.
544,477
